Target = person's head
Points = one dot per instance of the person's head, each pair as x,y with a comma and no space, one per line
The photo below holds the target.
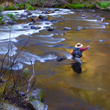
78,45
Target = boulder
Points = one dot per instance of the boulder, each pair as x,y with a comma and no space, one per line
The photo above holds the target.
37,94
35,100
7,106
36,105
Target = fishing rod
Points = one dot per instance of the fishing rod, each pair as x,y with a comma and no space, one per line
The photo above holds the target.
95,37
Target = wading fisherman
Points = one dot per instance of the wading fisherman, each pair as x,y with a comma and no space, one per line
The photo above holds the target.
77,52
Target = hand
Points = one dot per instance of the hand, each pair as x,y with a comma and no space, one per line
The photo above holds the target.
88,46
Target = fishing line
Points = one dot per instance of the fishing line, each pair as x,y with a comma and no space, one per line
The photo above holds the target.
95,37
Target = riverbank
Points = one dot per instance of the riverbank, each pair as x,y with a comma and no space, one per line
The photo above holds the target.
29,5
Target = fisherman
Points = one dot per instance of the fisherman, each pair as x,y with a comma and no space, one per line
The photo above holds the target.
77,52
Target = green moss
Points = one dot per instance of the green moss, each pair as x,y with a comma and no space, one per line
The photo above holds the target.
1,20
39,96
11,8
12,17
75,6
104,4
30,8
26,72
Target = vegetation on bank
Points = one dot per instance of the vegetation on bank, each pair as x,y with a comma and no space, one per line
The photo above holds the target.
29,5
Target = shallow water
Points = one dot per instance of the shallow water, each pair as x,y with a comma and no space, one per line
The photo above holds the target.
64,88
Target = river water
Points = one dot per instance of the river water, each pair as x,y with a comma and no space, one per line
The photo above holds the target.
64,87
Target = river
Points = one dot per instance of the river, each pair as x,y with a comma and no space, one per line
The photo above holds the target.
64,87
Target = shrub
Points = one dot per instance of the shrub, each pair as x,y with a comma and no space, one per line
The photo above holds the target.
104,4
11,8
1,20
30,8
1,8
77,6
12,17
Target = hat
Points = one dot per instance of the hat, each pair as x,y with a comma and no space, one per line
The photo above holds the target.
78,45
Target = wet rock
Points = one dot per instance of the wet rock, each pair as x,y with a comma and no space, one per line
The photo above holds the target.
41,17
48,12
54,20
51,11
24,15
37,94
47,23
23,18
56,9
60,59
37,27
50,29
44,18
79,28
100,40
35,100
37,105
84,15
12,22
28,12
33,27
45,12
67,28
31,23
34,18
7,106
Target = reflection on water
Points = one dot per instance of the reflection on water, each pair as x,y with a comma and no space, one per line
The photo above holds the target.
65,88
76,67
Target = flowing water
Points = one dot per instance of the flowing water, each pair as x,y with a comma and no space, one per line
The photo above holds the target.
64,88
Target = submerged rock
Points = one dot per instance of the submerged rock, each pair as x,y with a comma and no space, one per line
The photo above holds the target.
67,28
79,28
50,29
100,40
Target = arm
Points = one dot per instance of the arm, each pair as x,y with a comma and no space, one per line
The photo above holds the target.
72,53
82,49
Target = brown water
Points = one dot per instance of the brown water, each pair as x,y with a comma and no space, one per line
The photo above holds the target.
64,88
67,90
